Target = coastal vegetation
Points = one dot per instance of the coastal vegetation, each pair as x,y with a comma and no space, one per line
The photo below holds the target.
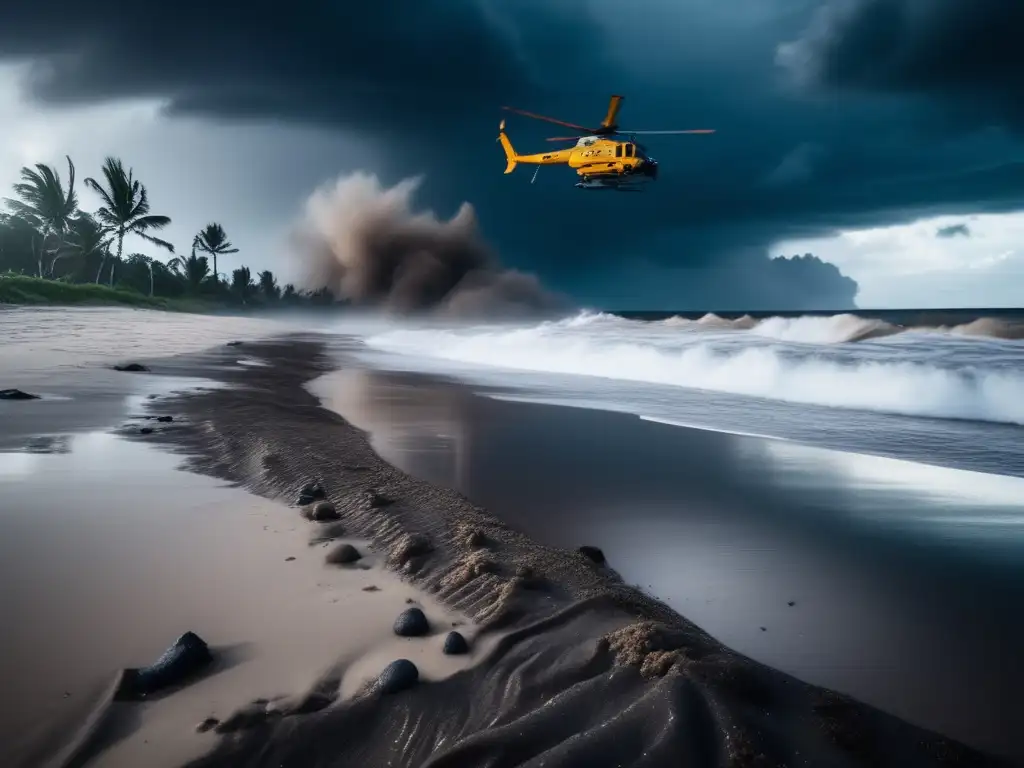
54,250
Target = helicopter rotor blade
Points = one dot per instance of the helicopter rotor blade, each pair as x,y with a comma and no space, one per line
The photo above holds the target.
535,116
564,138
663,133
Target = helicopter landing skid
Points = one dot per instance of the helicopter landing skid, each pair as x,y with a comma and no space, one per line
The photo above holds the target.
612,185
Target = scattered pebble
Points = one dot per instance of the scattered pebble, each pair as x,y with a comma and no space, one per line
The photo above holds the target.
131,368
16,394
146,431
593,554
764,629
412,622
343,554
397,676
288,559
791,603
165,419
455,644
371,588
234,344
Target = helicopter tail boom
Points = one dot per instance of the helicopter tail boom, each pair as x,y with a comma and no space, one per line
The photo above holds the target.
510,152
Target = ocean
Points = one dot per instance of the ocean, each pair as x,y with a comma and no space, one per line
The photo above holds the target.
939,388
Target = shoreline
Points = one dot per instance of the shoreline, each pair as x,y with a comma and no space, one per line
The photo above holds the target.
891,568
604,638
576,666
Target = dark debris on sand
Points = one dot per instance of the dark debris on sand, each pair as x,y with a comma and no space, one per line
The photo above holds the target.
16,394
132,368
586,671
593,554
183,660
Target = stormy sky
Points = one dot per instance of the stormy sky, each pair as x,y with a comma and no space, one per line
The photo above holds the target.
855,130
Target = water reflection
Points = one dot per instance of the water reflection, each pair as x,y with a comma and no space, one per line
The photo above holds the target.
889,603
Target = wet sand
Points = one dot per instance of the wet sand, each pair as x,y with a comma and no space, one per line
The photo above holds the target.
109,552
905,577
582,670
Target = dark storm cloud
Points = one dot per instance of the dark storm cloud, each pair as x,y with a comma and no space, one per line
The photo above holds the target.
965,51
426,80
953,230
417,65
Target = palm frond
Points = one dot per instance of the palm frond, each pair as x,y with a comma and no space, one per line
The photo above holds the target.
150,222
156,241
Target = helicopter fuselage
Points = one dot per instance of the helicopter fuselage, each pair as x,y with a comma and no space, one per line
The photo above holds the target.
599,162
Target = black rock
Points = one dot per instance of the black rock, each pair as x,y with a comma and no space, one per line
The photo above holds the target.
397,676
455,644
791,603
310,493
234,344
378,500
165,419
16,394
412,622
324,511
592,553
207,725
131,368
188,655
343,554
146,431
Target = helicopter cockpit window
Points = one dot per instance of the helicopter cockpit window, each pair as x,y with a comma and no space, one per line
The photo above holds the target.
629,150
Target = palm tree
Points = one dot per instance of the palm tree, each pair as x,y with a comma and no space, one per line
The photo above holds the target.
192,270
241,283
147,262
212,239
268,285
17,240
43,202
125,209
85,238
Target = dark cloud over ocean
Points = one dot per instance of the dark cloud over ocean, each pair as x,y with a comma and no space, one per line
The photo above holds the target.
829,114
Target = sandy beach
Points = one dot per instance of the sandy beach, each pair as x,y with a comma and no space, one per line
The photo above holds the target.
115,543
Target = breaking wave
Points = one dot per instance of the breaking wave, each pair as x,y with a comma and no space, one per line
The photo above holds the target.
838,329
798,360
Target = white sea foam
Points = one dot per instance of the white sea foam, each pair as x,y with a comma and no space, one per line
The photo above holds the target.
773,360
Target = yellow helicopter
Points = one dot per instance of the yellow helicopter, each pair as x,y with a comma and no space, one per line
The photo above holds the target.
601,161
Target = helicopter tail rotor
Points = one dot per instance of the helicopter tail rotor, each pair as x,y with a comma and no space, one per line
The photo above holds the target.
510,152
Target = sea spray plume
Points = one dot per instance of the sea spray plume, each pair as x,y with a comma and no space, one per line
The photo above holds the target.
367,244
